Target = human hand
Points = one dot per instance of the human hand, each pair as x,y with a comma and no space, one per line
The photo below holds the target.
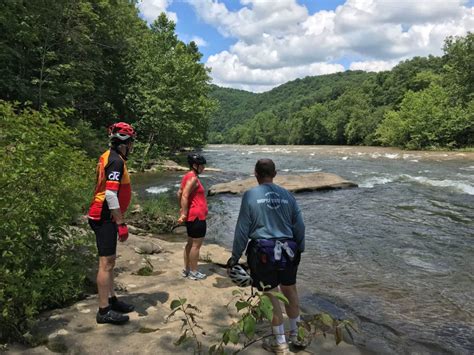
182,219
122,232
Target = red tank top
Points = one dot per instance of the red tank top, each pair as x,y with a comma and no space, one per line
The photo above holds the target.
197,203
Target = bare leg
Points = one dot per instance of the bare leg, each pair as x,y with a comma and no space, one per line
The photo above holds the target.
105,279
293,306
194,253
186,252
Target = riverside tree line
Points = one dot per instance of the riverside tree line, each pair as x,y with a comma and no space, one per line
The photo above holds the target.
70,68
422,103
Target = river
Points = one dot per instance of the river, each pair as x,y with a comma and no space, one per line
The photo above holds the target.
395,254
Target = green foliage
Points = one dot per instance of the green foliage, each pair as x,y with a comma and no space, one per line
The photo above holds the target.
459,67
45,184
323,323
146,270
69,54
99,59
360,108
253,308
426,119
169,90
157,214
190,324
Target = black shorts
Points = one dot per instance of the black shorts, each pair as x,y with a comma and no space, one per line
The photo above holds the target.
268,276
196,228
106,234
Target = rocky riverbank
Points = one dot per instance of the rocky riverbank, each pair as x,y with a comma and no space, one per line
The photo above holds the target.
73,329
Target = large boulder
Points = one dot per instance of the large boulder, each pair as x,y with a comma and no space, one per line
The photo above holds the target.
295,183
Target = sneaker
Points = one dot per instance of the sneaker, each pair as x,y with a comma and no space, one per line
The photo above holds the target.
111,317
298,343
185,273
122,307
270,344
196,275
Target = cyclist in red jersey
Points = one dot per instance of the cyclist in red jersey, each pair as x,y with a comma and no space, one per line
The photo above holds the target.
193,203
112,196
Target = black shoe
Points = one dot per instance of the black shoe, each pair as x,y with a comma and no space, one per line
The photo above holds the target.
111,317
122,307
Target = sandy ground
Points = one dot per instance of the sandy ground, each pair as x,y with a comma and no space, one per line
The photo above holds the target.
74,330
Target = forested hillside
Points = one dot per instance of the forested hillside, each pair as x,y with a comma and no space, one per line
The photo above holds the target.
422,103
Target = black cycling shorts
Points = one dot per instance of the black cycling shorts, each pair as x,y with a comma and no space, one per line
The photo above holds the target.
267,276
106,236
196,228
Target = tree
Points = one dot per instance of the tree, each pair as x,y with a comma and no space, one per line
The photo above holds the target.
459,67
426,119
169,90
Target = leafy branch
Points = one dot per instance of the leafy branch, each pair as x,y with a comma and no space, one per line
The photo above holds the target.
190,313
255,308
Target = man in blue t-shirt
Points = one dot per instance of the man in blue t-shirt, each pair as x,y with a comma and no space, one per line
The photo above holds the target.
270,217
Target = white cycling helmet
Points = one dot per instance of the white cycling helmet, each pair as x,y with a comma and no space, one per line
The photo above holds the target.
239,276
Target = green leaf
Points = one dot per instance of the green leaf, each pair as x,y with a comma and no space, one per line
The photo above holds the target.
225,337
281,297
327,319
301,333
234,336
175,304
249,326
266,307
241,305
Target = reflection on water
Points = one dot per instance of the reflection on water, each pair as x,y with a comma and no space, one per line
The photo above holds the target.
396,254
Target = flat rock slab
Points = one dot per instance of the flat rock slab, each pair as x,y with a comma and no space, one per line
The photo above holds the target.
295,183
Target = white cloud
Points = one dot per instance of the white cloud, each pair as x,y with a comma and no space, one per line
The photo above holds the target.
151,9
373,65
277,41
277,18
201,42
229,71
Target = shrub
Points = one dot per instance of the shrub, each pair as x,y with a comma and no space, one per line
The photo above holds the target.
45,182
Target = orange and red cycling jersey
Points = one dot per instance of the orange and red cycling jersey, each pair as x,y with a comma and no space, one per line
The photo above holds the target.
112,175
197,203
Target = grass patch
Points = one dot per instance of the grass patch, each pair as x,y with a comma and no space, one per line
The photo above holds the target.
156,215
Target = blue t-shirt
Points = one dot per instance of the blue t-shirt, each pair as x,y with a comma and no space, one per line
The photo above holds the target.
268,211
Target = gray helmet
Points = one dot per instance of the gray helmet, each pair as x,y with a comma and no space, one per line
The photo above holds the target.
239,276
195,158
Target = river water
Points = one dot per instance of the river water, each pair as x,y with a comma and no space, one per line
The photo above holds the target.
395,254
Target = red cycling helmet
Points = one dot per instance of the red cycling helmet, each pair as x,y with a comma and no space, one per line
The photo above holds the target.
121,131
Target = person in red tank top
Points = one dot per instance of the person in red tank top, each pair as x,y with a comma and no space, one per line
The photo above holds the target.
193,212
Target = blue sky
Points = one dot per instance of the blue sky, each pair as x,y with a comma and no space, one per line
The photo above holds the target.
259,44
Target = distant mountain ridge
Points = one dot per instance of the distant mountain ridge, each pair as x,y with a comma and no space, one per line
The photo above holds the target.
422,103
237,106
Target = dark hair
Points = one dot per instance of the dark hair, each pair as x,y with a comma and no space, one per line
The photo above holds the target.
195,158
265,168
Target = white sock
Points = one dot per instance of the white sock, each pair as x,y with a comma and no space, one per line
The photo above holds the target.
294,325
279,332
